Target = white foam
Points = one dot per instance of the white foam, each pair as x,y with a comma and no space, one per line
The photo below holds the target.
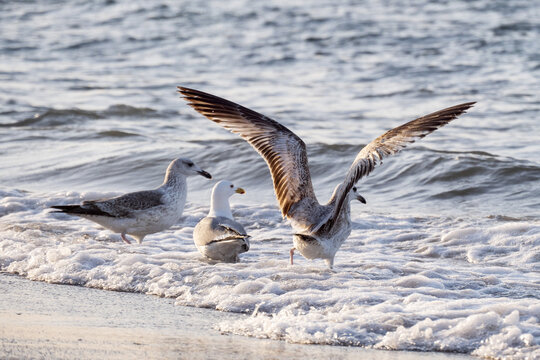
400,282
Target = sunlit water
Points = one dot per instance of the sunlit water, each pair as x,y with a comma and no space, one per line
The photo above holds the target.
445,255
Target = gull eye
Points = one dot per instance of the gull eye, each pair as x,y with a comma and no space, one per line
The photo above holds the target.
231,186
354,189
190,164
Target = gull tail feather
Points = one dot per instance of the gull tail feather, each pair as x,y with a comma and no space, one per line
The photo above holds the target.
79,210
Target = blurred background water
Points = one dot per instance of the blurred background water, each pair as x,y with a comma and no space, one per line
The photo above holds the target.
88,107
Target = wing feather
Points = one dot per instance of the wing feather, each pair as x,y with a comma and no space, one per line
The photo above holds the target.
283,151
125,205
389,143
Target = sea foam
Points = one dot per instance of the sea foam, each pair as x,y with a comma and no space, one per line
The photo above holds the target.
400,282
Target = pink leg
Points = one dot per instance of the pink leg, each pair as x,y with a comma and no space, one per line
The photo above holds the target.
292,254
125,239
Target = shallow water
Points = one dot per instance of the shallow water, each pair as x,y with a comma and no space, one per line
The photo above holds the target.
445,256
61,322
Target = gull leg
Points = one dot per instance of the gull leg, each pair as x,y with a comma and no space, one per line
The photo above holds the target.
123,235
330,263
291,253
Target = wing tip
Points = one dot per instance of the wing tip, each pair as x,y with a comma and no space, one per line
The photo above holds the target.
461,108
182,89
466,106
191,95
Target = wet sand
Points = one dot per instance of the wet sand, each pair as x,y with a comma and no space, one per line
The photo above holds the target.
49,321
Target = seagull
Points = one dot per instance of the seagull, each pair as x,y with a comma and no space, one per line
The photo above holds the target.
319,229
218,236
143,212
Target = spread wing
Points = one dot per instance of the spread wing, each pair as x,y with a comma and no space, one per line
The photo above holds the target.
283,151
389,143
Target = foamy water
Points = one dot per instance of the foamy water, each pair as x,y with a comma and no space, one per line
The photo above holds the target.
400,282
445,256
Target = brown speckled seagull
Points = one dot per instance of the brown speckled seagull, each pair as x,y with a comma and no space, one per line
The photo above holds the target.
319,230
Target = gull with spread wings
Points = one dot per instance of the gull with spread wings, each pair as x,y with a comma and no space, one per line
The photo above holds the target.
319,230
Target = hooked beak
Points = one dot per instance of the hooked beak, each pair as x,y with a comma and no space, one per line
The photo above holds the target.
240,191
205,174
361,199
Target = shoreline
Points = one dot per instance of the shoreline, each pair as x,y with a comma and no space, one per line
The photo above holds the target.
55,321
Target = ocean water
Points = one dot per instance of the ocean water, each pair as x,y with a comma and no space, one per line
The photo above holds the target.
445,256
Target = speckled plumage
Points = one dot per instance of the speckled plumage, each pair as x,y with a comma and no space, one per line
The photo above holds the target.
319,229
143,212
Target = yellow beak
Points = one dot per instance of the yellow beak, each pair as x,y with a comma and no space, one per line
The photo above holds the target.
240,191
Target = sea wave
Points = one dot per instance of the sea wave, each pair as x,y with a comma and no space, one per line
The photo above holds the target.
401,282
60,117
419,177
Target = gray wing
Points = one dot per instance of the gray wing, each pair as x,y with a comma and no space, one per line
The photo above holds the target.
125,205
389,143
283,151
214,229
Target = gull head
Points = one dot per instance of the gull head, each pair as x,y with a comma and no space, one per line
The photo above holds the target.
226,188
221,193
354,195
186,167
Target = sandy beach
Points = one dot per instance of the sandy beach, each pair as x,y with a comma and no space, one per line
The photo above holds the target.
49,321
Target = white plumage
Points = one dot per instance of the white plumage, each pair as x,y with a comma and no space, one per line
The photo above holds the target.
218,236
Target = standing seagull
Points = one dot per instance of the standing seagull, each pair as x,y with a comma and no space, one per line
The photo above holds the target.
218,236
143,212
319,229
